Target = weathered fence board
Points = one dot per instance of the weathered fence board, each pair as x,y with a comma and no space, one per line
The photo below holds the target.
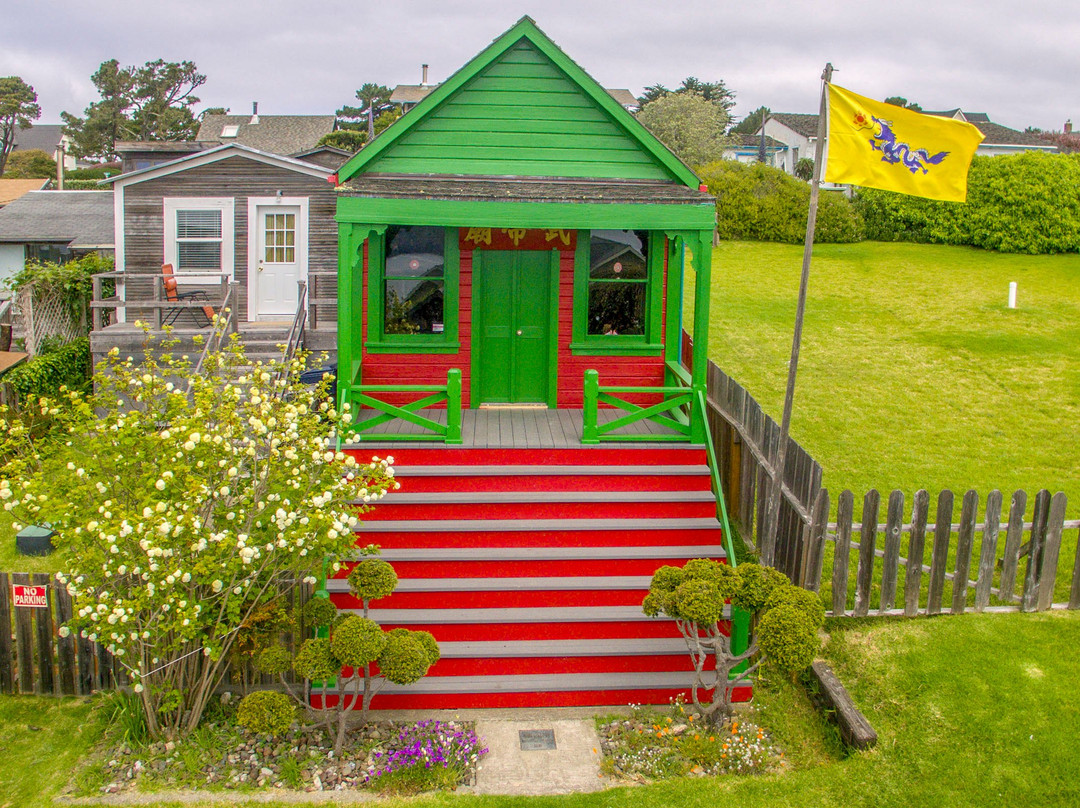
815,559
1014,535
1035,550
844,512
7,680
894,522
988,554
1074,592
969,512
864,578
24,638
1051,550
916,552
940,554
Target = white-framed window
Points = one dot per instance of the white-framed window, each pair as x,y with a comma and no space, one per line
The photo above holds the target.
199,235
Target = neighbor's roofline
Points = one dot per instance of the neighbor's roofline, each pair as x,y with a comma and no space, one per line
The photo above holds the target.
525,28
214,155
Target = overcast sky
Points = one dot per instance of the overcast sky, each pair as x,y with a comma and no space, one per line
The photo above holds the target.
1015,61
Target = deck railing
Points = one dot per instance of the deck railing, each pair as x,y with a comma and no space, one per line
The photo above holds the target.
158,304
364,395
674,410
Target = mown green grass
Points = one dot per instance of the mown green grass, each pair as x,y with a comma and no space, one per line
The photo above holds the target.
972,710
913,372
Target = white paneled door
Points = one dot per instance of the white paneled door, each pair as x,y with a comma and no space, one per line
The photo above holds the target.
280,253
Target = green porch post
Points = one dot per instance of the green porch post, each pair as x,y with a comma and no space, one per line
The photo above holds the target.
346,316
673,315
592,402
702,247
453,406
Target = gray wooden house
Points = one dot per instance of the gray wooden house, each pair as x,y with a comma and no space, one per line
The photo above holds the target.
226,218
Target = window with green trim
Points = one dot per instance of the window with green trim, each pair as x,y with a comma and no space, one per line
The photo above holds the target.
413,286
414,295
618,292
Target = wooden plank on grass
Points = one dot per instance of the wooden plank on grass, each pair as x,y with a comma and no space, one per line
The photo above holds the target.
842,555
1074,593
1014,536
916,552
864,578
1051,550
815,558
969,513
44,627
7,674
65,646
24,639
988,555
940,554
890,570
1039,519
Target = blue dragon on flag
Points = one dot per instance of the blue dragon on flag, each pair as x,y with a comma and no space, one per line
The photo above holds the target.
883,140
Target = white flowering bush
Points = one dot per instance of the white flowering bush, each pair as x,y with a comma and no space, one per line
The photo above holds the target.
183,504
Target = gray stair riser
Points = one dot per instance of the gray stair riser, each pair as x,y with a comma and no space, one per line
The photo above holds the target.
551,682
631,582
536,525
714,551
533,497
541,649
549,470
545,614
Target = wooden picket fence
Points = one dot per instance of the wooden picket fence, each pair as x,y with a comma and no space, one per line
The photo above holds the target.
34,658
969,558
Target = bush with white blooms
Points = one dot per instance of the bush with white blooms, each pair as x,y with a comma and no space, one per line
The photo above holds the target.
183,502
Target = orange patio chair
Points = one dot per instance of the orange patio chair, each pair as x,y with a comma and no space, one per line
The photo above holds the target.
202,316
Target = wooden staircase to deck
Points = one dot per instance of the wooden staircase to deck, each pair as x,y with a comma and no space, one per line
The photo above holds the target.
529,566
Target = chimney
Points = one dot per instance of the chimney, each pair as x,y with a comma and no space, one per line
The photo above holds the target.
1068,127
423,80
61,154
254,113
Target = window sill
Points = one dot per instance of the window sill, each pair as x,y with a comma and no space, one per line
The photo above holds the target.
600,348
412,347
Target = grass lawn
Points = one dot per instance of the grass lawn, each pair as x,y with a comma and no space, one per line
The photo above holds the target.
913,372
972,710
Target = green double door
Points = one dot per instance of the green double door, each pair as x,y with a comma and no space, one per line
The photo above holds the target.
513,326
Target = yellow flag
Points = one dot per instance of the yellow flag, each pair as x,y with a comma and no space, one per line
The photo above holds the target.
880,145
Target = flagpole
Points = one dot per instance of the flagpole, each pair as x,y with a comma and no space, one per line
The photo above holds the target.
767,538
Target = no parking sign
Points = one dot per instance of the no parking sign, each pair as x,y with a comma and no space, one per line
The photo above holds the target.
31,597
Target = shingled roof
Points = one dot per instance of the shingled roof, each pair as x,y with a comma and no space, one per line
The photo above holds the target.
277,134
80,219
806,125
44,136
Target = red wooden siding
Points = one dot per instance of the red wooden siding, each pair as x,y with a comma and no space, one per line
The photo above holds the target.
421,368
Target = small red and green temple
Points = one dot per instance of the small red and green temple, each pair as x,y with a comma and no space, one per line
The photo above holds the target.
514,255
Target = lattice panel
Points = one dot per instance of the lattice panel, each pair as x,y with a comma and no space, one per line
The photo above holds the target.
43,312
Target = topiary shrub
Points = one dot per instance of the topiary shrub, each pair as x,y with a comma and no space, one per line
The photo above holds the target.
265,712
319,612
694,596
358,641
404,659
274,661
372,579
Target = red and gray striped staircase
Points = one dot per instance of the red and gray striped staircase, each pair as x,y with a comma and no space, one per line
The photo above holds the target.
529,567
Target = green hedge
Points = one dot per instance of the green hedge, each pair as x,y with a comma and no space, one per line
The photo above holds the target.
758,203
46,373
1023,203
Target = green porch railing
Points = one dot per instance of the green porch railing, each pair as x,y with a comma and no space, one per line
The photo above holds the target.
675,410
364,395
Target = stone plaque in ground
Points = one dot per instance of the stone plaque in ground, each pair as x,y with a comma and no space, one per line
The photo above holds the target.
536,740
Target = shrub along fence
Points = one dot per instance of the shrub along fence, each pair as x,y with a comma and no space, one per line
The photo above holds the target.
990,565
34,658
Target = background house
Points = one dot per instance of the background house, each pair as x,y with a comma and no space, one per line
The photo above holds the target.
46,137
54,226
747,149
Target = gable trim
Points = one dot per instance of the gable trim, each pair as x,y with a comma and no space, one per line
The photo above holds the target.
213,156
525,28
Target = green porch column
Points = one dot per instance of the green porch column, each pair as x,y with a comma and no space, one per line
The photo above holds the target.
673,315
702,247
346,318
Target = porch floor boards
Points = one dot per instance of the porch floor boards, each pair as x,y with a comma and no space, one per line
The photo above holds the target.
521,428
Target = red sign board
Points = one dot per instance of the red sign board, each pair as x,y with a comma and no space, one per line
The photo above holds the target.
32,597
495,238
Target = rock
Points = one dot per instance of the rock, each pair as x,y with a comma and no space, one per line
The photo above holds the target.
678,729
317,782
169,746
265,772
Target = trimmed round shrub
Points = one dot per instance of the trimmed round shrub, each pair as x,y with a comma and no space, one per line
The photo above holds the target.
430,644
266,712
404,660
755,584
274,660
653,604
788,638
319,612
358,641
666,579
316,660
372,579
807,602
699,602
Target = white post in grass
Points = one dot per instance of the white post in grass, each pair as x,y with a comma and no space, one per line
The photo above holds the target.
1012,294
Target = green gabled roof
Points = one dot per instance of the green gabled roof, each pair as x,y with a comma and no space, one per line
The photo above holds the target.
520,108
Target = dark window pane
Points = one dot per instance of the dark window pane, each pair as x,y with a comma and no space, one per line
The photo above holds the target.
414,306
616,308
198,255
415,252
620,254
198,224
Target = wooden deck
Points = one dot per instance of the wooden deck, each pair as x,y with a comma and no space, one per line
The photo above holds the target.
528,428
